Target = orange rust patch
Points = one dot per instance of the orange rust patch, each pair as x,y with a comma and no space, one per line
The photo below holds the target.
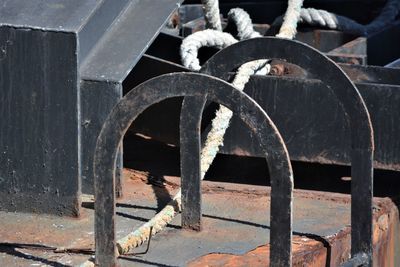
304,250
309,252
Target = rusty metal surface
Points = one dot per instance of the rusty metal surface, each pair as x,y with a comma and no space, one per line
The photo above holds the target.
332,251
229,228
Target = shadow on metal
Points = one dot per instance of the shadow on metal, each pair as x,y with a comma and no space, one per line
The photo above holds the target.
193,86
362,143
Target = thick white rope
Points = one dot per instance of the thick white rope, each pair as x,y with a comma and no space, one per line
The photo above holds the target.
243,24
207,38
322,18
211,14
212,38
219,125
289,26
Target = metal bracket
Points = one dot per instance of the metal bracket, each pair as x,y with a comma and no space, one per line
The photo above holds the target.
349,97
198,87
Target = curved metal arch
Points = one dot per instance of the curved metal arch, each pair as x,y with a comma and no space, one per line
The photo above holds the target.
349,97
197,86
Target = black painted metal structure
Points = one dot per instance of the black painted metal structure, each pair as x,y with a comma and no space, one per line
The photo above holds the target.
360,57
62,64
65,64
197,87
362,143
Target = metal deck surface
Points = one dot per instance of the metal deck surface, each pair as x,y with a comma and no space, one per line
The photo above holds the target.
236,221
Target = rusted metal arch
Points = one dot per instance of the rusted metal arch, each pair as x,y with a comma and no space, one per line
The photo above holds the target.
197,86
349,97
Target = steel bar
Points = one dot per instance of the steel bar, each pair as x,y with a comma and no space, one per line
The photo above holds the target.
190,140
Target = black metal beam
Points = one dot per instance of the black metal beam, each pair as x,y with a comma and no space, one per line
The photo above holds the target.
39,125
109,64
190,149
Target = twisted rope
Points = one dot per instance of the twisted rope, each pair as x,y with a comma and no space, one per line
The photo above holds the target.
243,24
219,125
323,18
211,14
289,26
207,38
155,225
212,38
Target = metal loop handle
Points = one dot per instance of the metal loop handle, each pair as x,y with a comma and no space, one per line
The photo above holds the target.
349,97
198,86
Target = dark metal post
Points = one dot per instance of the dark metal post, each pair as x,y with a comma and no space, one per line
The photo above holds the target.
190,164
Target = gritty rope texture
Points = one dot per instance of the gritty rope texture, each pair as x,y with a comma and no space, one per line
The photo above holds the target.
245,29
211,14
322,18
212,38
219,125
289,26
157,223
243,24
207,38
318,17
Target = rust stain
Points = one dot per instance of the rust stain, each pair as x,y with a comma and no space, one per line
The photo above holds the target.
310,252
305,250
